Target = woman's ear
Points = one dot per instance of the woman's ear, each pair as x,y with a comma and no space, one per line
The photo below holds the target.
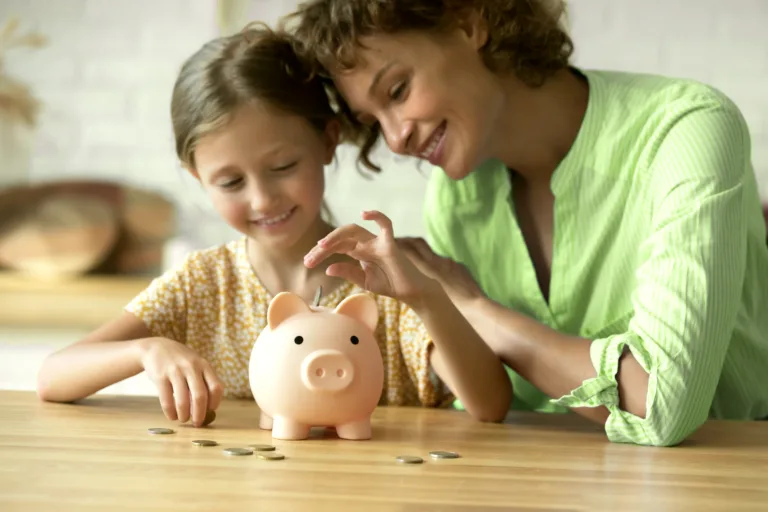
474,28
331,139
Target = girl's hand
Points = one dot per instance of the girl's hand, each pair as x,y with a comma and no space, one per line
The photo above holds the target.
184,380
454,277
381,267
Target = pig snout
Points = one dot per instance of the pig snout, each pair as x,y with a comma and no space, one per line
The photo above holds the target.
327,370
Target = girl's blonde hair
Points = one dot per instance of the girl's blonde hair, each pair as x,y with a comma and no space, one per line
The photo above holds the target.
257,64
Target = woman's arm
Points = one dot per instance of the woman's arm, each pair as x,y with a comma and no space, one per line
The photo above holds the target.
654,383
473,372
467,365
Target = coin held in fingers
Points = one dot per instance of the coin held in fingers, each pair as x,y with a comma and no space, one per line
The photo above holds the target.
209,417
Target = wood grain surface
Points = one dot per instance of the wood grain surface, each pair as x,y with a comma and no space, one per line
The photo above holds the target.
97,455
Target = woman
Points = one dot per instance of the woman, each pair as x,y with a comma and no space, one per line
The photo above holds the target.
601,230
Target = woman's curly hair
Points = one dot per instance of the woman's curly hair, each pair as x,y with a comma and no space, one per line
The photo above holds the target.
524,37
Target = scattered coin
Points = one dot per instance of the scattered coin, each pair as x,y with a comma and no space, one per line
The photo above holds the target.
160,430
262,447
209,417
238,452
409,459
270,456
204,442
439,454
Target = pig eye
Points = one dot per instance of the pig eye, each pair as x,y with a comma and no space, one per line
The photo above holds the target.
354,340
298,340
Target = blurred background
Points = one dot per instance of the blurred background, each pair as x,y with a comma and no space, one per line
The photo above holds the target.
84,118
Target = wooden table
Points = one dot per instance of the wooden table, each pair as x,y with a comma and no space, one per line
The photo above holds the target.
97,455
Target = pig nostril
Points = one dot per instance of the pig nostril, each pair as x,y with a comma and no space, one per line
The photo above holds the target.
340,373
320,372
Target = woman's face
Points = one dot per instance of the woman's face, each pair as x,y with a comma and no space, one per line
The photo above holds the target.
431,95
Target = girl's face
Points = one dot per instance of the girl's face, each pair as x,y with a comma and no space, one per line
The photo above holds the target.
264,173
432,95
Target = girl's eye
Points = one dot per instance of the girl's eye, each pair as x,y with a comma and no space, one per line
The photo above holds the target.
397,91
231,183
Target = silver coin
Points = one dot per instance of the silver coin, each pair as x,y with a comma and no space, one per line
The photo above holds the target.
160,431
409,459
237,452
204,442
440,454
262,447
270,456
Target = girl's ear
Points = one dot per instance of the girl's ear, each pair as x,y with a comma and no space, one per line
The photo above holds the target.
331,139
192,172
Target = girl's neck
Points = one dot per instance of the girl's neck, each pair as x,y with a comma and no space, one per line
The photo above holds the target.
284,269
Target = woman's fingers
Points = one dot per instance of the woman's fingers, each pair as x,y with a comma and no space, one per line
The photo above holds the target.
381,220
351,272
198,391
342,240
180,395
165,394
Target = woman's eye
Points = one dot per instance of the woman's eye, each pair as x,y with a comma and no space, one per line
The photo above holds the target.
285,167
396,92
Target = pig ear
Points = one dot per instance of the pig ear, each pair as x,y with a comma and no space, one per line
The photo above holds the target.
362,307
283,306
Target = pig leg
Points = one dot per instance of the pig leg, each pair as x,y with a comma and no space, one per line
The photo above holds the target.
265,421
356,430
284,428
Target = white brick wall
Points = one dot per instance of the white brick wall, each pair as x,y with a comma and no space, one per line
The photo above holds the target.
107,75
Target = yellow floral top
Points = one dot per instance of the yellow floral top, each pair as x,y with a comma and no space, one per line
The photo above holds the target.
214,302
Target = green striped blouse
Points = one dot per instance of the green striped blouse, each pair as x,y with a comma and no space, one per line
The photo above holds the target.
659,245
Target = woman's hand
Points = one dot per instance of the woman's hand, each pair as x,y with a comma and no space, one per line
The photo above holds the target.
454,277
381,267
184,380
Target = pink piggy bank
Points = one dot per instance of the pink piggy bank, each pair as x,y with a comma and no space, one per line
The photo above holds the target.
317,367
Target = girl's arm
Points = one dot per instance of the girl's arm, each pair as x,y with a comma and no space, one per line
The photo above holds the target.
90,365
187,385
462,360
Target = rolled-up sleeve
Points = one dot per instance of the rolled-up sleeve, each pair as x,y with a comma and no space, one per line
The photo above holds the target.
688,287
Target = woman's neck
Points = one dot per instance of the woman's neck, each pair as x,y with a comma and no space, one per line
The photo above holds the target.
539,125
284,269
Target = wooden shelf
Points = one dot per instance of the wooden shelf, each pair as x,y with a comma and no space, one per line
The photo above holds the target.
83,302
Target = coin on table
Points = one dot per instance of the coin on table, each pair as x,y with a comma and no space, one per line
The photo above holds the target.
409,459
270,456
209,417
262,447
204,442
238,452
440,454
160,431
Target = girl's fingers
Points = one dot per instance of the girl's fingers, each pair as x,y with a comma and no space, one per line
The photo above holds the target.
181,396
348,271
381,220
198,391
165,394
215,388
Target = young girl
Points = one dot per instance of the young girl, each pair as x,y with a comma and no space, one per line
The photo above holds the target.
256,133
